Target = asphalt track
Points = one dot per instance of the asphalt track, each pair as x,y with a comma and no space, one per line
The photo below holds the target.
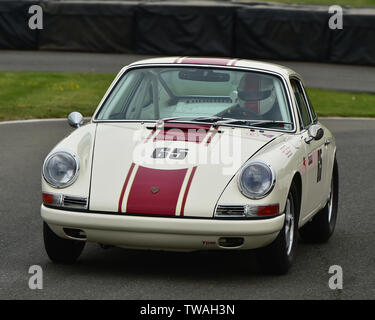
316,75
125,274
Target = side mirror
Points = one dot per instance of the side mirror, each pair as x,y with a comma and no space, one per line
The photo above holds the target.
75,119
315,132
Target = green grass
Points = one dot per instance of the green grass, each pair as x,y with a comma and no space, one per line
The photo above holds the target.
344,104
352,3
27,95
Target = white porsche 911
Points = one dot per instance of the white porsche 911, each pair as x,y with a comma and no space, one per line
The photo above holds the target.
194,154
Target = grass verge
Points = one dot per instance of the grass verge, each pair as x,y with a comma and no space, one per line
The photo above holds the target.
342,104
27,95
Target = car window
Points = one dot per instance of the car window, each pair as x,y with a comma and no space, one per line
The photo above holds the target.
301,103
163,92
313,113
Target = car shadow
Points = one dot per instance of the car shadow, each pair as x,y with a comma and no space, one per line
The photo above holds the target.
233,265
149,263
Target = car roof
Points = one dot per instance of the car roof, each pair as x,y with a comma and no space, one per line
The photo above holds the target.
230,62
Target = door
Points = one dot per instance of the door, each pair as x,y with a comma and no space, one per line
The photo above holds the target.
315,154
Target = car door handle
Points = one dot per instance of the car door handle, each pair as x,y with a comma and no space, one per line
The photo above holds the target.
327,142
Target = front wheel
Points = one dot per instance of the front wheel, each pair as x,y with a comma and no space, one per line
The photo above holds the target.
277,257
61,250
321,227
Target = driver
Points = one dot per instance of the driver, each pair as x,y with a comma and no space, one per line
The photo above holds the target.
256,99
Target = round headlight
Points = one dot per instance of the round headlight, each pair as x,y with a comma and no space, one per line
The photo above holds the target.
60,169
256,180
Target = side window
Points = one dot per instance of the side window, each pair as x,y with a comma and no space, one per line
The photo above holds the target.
313,113
301,103
142,98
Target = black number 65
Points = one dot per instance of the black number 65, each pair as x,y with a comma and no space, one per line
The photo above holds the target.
176,153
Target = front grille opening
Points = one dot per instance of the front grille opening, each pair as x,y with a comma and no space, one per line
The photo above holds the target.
231,242
75,233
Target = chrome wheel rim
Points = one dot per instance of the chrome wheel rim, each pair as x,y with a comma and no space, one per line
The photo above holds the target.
330,203
289,225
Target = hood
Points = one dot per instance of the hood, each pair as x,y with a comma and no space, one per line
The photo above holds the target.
178,170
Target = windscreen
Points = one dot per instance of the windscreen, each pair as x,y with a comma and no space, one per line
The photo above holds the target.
192,92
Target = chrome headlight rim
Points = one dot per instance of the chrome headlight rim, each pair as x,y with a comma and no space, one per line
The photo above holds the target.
72,180
252,195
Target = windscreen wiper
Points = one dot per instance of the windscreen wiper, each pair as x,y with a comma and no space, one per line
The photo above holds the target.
210,119
229,121
250,123
163,120
192,119
219,121
270,122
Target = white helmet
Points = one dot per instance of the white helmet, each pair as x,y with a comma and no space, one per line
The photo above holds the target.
256,93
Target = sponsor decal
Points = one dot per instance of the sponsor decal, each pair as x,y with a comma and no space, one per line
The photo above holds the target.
310,159
268,135
261,134
286,150
207,243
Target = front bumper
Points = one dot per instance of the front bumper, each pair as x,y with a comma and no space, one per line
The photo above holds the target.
162,233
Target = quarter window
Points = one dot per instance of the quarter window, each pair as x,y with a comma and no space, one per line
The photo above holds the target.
301,103
313,113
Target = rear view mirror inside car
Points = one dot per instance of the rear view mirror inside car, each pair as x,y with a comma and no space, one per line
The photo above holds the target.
203,75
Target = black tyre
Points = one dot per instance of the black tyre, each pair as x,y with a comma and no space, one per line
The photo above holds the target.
277,257
61,250
321,227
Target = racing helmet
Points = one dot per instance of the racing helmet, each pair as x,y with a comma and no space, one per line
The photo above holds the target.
256,93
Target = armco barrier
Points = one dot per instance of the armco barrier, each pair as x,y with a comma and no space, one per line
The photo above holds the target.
285,32
185,29
14,30
355,43
256,30
88,26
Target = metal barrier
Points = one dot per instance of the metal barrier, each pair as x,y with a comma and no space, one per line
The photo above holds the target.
259,30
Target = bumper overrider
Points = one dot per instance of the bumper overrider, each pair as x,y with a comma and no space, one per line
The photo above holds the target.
162,233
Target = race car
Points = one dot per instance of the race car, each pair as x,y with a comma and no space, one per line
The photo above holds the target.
189,153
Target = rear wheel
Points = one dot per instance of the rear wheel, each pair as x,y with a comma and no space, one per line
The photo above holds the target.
277,257
61,250
321,227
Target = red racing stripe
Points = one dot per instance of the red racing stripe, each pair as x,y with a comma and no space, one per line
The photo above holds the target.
150,135
124,187
187,190
183,132
211,137
155,191
213,61
234,62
